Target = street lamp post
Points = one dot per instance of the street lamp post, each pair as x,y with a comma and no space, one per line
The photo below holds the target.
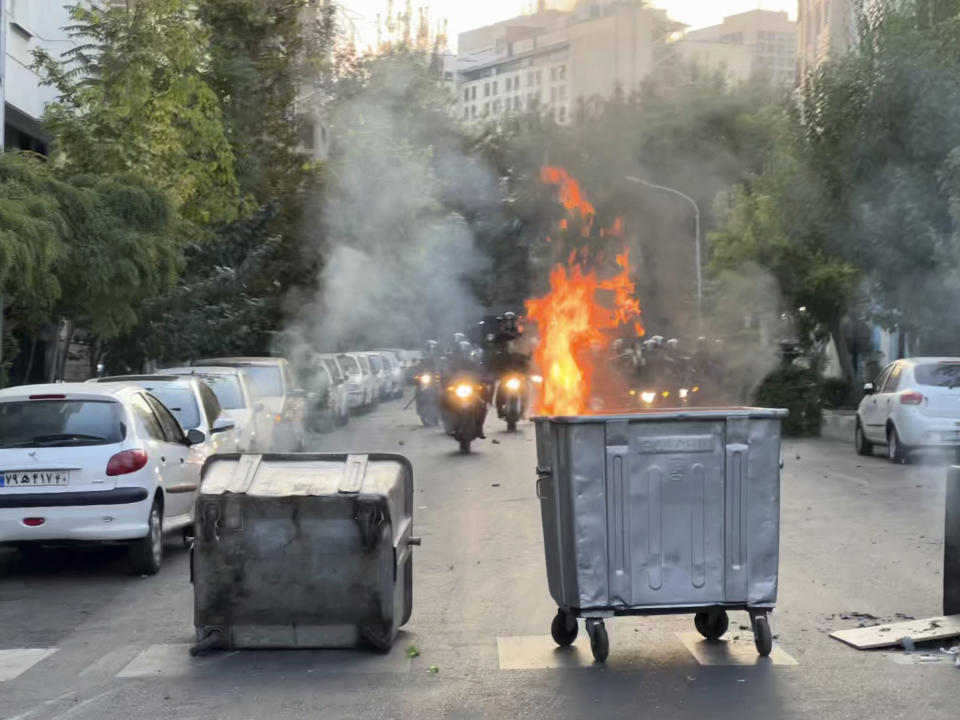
696,216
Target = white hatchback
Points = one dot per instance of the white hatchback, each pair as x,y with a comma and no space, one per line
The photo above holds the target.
86,462
913,403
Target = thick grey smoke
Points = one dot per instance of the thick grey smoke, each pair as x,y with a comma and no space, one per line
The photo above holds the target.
395,257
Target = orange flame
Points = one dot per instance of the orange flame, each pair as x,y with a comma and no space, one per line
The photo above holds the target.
574,325
570,195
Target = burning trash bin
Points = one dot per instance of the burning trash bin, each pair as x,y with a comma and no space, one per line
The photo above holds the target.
303,551
661,512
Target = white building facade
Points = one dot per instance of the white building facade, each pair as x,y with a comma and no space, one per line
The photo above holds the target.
28,25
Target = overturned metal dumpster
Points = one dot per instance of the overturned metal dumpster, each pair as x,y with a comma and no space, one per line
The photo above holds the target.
297,551
661,512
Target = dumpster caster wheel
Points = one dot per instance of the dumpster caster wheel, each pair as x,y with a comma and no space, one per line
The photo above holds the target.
712,625
599,642
762,636
564,629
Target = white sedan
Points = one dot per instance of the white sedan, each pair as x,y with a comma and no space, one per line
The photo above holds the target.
914,403
86,462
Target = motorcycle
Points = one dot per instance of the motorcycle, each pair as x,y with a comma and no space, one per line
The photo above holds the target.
426,398
465,407
512,399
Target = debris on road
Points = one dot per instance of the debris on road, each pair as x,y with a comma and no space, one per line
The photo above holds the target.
413,651
433,669
495,441
905,633
494,484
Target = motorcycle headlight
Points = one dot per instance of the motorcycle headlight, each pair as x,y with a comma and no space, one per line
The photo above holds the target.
536,378
425,379
463,391
683,393
513,383
648,397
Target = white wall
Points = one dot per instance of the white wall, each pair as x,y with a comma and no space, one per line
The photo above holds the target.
32,24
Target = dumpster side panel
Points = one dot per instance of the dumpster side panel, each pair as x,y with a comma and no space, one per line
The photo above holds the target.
764,512
671,529
549,491
582,465
277,566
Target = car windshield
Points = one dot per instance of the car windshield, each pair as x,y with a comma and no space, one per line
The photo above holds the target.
375,363
939,375
349,364
60,423
267,380
227,389
181,401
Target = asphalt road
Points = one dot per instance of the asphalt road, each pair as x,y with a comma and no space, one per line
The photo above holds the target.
858,535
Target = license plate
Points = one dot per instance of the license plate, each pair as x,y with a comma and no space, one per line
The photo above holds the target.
33,478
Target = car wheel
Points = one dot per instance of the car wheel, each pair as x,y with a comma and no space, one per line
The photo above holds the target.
146,554
896,450
860,442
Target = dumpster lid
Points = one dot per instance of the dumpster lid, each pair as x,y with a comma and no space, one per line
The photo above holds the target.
706,413
292,474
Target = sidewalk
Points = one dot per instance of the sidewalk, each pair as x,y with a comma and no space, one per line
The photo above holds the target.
838,425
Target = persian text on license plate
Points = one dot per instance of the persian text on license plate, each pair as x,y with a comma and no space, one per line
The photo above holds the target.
33,478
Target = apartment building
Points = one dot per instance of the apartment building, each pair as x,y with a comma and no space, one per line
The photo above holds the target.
550,59
827,28
759,44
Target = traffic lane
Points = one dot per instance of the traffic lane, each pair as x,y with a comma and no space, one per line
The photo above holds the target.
480,576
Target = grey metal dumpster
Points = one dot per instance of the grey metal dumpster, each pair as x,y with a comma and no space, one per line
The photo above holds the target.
302,550
661,512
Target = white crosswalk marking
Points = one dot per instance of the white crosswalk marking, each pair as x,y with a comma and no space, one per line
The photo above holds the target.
729,651
15,662
163,661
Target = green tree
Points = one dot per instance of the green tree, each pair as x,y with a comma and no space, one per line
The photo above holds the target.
133,98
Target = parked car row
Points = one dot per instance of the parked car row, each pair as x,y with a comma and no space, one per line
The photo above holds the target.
118,459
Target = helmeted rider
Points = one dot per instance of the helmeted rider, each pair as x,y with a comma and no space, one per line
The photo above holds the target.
507,355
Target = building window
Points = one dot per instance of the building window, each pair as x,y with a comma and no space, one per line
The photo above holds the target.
563,113
553,74
466,93
466,113
486,109
562,72
539,77
495,87
553,94
473,112
473,93
562,94
529,78
486,89
496,107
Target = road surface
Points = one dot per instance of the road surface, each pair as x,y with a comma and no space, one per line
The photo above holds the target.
82,639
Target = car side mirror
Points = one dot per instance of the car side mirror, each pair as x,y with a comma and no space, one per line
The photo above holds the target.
869,389
223,425
195,437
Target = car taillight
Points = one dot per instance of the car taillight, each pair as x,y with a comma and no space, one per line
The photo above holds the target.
911,398
127,461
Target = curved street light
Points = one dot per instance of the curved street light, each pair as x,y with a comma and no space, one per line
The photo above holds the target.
696,215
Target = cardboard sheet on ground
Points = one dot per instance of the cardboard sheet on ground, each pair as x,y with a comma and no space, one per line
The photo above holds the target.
878,636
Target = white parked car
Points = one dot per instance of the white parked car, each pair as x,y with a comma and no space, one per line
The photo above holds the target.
86,462
913,403
381,373
238,402
395,368
340,389
362,383
192,403
283,401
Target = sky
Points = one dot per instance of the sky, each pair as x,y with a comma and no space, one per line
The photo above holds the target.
468,14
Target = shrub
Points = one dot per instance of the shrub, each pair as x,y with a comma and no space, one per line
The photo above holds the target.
798,390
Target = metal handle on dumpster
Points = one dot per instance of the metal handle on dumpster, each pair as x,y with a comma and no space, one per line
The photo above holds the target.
542,474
